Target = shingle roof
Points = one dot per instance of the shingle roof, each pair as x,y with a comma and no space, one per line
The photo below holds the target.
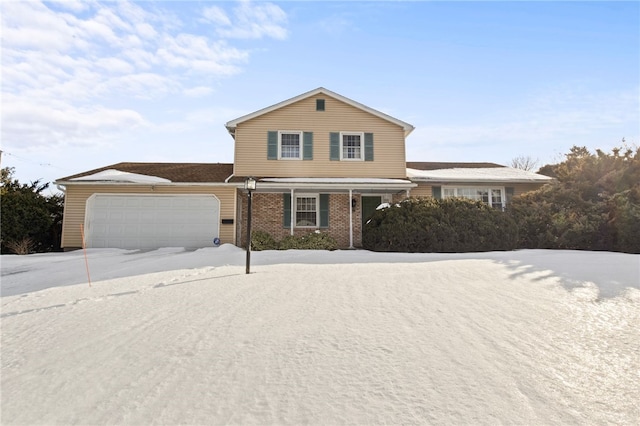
427,165
175,172
219,172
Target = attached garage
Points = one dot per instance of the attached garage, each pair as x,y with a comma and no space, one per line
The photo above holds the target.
149,206
139,221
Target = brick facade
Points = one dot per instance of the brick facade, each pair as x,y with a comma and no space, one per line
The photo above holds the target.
268,211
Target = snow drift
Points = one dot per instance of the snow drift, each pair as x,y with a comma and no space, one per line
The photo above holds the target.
175,337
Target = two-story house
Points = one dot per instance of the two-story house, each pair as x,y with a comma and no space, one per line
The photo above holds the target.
322,162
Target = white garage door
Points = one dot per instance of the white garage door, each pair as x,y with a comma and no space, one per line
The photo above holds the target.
143,222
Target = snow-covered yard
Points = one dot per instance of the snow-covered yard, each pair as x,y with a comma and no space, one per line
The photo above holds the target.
185,337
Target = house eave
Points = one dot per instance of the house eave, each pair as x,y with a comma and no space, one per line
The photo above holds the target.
474,181
393,185
155,184
231,125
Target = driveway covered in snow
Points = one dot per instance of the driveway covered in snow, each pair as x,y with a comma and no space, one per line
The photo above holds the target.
528,337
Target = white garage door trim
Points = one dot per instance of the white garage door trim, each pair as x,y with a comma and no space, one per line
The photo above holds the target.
147,221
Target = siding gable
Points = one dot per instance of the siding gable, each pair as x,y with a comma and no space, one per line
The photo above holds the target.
383,144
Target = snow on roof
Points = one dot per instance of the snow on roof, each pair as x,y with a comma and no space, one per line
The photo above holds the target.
336,180
493,174
113,175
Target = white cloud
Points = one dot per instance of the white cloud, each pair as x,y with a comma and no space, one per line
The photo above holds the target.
68,68
145,30
62,125
216,15
72,5
196,53
251,21
115,65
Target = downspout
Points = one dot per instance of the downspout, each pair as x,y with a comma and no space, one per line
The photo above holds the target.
350,220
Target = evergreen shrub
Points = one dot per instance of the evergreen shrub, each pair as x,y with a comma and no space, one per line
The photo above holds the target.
317,240
625,221
594,204
420,225
261,240
314,241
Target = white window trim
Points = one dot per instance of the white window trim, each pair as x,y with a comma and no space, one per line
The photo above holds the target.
288,132
295,209
502,189
361,134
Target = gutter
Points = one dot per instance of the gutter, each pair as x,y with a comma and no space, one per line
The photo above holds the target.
343,186
483,180
102,182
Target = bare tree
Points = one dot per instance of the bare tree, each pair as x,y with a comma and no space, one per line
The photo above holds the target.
524,163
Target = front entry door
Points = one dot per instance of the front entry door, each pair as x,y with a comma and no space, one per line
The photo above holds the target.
369,205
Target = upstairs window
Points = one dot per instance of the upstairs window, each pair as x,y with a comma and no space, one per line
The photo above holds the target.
289,145
351,146
319,104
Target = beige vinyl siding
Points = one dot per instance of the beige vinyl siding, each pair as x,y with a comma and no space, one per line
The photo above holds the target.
76,199
422,190
521,188
251,142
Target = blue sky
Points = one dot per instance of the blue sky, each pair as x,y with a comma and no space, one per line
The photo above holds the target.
88,84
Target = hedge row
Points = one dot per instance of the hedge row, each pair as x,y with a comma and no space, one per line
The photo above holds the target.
431,225
261,240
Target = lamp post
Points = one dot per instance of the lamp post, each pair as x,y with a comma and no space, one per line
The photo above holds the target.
250,186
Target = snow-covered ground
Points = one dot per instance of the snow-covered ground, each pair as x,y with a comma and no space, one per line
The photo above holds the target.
309,337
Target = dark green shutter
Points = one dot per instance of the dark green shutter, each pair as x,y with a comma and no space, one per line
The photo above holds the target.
307,150
334,146
368,147
286,215
272,145
324,210
437,192
509,193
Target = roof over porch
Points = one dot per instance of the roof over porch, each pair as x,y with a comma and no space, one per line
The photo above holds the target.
361,185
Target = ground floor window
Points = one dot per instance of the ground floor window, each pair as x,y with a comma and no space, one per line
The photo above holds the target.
492,196
306,211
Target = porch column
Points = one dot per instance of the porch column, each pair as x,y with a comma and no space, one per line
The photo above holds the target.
293,200
350,220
